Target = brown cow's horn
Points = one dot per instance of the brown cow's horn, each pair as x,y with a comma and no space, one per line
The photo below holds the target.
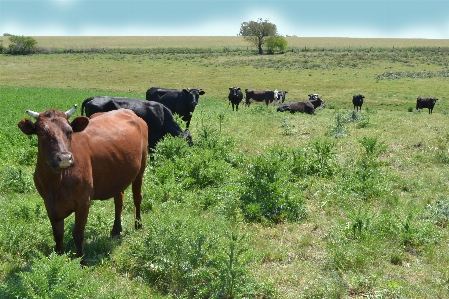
71,111
32,114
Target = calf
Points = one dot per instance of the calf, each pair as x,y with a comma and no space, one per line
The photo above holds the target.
87,159
426,103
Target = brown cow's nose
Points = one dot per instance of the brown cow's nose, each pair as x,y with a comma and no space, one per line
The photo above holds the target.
65,160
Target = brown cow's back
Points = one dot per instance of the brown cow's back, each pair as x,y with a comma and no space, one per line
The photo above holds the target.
108,154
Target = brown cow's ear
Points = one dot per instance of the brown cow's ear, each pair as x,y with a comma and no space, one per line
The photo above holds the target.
27,126
79,123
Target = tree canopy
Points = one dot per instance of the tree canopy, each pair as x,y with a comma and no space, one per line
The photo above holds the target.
256,32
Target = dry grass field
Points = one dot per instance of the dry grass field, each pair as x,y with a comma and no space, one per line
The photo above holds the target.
219,42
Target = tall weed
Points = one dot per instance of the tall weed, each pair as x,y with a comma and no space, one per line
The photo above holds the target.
266,194
191,256
53,277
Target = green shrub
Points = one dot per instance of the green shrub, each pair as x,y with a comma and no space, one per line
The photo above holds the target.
274,43
53,277
322,157
192,256
21,45
287,130
339,129
364,177
266,194
24,229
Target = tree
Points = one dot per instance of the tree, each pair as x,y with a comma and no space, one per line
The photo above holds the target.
276,43
256,32
21,44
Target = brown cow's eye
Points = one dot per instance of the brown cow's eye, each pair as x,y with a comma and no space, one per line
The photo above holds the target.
69,135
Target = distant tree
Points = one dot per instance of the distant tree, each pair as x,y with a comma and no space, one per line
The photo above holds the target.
256,32
21,44
276,43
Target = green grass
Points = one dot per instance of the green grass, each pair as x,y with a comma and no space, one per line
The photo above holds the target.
360,216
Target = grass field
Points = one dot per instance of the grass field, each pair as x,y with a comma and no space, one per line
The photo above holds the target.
220,42
360,216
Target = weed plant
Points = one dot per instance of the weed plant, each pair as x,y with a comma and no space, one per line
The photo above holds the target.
266,195
338,130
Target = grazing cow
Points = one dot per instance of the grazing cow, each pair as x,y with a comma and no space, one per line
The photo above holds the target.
181,102
303,107
266,96
426,103
159,119
87,159
235,97
281,96
357,100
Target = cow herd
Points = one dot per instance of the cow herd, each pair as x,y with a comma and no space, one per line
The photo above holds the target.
98,156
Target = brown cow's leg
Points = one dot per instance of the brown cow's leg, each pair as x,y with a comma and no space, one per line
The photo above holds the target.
137,196
118,202
58,234
78,233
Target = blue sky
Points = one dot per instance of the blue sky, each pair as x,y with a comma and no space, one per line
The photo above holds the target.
305,18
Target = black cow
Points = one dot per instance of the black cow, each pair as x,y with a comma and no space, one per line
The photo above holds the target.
281,95
266,96
181,102
303,107
159,119
357,100
316,101
235,97
426,103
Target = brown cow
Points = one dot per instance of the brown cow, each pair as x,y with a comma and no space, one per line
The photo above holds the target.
266,96
83,160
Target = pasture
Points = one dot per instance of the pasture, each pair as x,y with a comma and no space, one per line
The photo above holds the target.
265,204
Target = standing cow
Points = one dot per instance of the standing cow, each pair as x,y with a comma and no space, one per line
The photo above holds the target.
181,102
159,118
281,96
426,103
235,97
357,100
266,96
87,159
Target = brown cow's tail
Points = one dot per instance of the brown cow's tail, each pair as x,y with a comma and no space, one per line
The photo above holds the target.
84,104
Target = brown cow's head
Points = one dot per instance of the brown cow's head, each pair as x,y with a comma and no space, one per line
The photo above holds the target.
54,133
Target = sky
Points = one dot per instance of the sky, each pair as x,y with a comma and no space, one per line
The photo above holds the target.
304,18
